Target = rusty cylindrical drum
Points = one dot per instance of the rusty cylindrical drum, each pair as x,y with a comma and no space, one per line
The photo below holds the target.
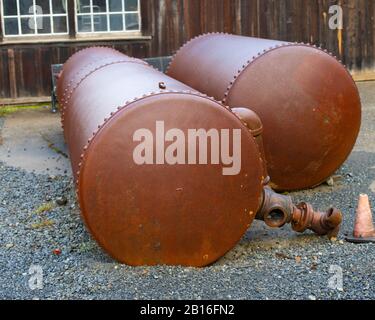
308,102
152,185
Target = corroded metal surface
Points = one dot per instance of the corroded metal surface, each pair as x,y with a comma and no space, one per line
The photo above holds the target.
306,99
158,213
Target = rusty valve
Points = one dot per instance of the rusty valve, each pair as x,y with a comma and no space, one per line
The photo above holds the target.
323,223
147,193
278,210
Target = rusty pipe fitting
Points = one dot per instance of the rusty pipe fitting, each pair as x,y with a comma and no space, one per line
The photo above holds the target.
322,223
277,210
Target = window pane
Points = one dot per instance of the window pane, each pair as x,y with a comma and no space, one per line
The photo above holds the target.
42,7
100,23
83,6
27,25
116,22
84,23
59,6
10,7
132,21
11,26
115,5
99,6
131,5
123,15
26,7
44,25
60,25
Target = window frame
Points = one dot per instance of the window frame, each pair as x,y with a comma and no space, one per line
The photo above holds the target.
35,16
107,14
73,35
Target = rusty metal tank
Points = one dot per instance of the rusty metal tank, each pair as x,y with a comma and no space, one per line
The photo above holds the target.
307,100
156,213
147,192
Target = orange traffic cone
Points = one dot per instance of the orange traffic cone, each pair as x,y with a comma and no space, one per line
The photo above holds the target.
364,230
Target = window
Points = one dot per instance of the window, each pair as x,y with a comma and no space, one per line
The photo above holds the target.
27,18
108,16
34,17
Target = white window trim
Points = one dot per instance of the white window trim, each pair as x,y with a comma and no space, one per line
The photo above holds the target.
93,33
50,15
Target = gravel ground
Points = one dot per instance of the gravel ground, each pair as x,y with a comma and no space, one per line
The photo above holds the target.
266,264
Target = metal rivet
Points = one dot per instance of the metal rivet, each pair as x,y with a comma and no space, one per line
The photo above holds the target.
162,85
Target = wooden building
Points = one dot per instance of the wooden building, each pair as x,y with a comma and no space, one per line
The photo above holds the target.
37,33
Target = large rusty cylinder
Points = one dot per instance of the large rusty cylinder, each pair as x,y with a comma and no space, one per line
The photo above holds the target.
165,174
308,102
154,212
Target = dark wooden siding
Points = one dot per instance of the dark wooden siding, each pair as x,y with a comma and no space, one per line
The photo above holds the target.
25,68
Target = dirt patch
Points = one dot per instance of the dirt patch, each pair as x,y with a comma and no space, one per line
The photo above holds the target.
33,140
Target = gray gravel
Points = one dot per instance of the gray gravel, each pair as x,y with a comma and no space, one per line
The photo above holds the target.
266,264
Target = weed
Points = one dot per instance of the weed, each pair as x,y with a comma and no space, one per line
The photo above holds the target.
42,224
48,206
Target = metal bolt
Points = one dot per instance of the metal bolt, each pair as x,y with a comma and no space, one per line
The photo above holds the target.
162,85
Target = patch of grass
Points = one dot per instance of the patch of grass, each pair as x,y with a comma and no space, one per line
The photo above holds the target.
48,206
42,224
45,207
7,110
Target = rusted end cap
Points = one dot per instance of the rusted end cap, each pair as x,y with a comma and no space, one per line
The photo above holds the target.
159,213
310,109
